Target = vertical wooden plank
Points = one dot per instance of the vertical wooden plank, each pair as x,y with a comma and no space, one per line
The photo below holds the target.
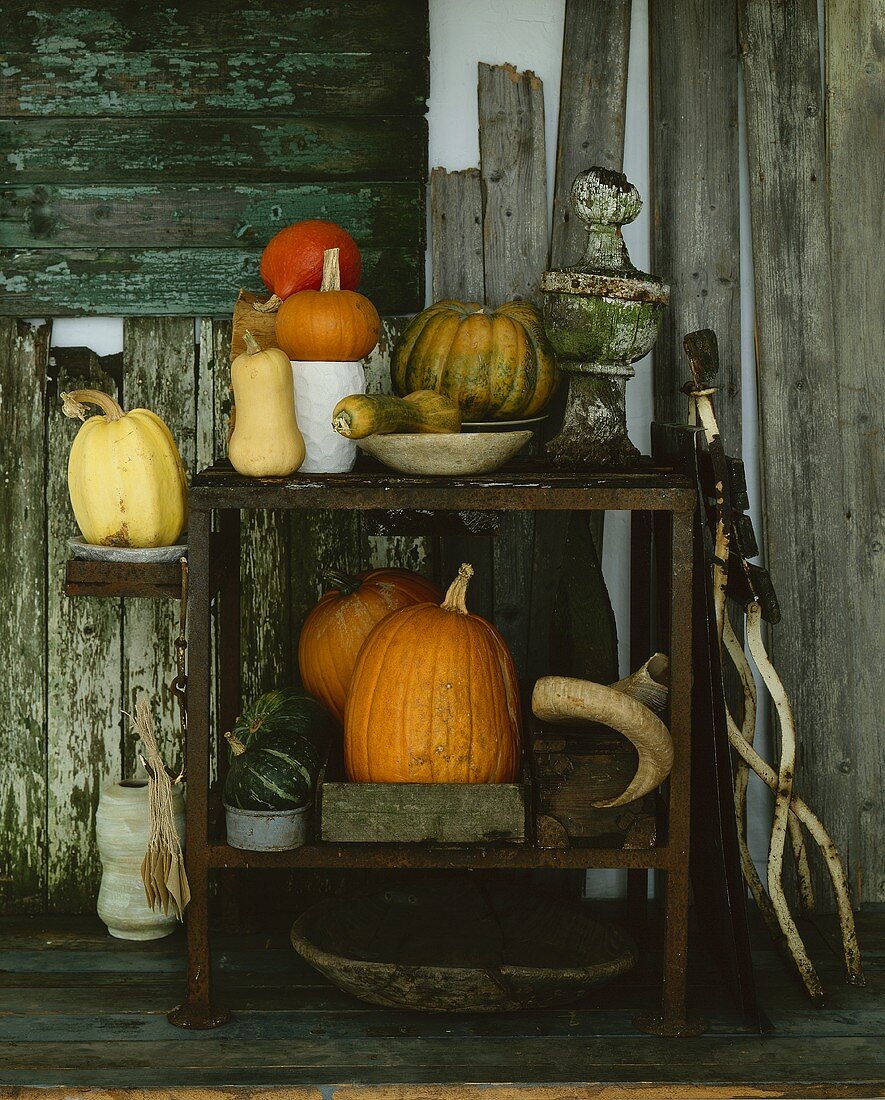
695,192
457,250
514,175
799,401
854,129
84,664
456,234
696,216
158,374
515,245
592,118
24,350
592,109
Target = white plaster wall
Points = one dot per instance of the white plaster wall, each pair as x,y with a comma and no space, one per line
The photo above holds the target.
528,33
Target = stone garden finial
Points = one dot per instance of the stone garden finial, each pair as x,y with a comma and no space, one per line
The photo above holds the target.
600,316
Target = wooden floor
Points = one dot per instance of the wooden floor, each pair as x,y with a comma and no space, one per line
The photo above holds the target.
79,1010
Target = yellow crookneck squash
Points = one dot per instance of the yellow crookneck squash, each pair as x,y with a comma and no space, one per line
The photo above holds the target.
265,441
125,475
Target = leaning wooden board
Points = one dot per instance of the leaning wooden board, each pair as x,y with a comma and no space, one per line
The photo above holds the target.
592,120
456,236
805,525
696,237
854,127
515,243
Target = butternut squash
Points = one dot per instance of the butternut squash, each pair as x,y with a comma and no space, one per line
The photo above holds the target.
265,440
364,414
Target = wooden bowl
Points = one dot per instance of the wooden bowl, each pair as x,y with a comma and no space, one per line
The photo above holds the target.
458,947
446,455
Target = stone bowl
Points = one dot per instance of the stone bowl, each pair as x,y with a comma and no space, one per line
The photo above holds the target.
600,329
457,946
445,455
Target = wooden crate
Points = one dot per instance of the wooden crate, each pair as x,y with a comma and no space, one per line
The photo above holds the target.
575,768
441,813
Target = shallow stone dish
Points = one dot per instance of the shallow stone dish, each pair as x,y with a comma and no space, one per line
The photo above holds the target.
88,551
445,455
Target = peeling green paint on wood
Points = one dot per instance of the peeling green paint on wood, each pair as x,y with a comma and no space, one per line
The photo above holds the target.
24,352
102,25
204,126
175,149
84,702
187,281
206,215
234,78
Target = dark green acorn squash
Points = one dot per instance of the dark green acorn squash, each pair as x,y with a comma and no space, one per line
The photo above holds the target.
278,748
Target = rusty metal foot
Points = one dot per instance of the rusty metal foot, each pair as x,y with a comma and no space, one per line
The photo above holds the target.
655,1024
197,1016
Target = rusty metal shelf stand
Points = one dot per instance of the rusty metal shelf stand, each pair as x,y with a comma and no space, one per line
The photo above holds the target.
214,563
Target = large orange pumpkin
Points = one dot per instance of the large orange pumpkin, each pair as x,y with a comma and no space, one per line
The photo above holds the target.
434,699
329,324
336,628
292,259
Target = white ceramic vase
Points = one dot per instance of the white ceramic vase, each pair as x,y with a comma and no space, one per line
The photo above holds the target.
121,828
318,389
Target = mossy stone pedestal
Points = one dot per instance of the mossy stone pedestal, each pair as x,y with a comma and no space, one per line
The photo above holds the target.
600,316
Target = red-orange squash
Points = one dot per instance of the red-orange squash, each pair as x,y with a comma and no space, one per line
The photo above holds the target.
329,324
336,628
292,260
434,699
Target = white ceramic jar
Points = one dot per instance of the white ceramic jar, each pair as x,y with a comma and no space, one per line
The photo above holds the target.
318,389
122,823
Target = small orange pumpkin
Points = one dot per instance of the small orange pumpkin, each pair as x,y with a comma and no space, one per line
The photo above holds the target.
434,698
329,324
336,628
